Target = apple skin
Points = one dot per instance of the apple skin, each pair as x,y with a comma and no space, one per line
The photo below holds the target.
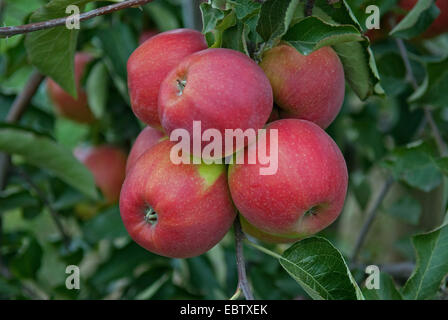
75,109
192,202
150,63
147,138
147,35
224,89
308,87
108,167
311,175
439,25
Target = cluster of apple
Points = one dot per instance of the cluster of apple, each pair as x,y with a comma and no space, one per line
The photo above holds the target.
183,210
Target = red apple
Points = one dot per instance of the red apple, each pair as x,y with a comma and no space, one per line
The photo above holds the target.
151,62
147,35
75,109
173,210
108,167
148,138
439,25
304,196
221,88
308,87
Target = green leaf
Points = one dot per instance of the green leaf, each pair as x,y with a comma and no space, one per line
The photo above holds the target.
432,264
312,33
97,84
417,20
386,291
415,165
163,17
52,50
407,209
243,8
210,17
275,18
21,199
433,89
319,268
28,260
105,225
116,56
44,153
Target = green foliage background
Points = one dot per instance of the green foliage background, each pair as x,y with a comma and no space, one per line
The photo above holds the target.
382,131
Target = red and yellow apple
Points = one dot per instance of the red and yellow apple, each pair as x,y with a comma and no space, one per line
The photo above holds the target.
108,167
308,87
150,63
174,210
147,138
75,109
304,196
221,88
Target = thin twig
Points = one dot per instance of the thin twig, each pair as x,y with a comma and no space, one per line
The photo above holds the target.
31,27
243,283
370,214
441,145
15,113
46,202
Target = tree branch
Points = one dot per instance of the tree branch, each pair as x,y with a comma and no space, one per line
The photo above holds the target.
243,283
371,213
31,27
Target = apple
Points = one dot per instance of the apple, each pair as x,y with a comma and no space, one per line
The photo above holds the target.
147,138
75,109
439,25
221,88
147,34
304,196
308,87
150,63
108,167
176,211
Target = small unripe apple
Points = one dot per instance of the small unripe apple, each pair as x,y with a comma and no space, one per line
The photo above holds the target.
147,138
439,25
108,167
308,87
173,210
147,35
221,88
150,63
304,196
75,109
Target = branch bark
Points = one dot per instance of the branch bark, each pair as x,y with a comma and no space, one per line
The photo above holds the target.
371,214
31,27
243,283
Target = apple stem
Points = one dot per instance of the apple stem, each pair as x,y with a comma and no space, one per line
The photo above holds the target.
243,282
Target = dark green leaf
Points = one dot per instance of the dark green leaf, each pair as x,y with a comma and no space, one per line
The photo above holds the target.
97,83
52,50
417,20
28,260
432,264
320,269
44,153
312,33
275,18
387,290
407,209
